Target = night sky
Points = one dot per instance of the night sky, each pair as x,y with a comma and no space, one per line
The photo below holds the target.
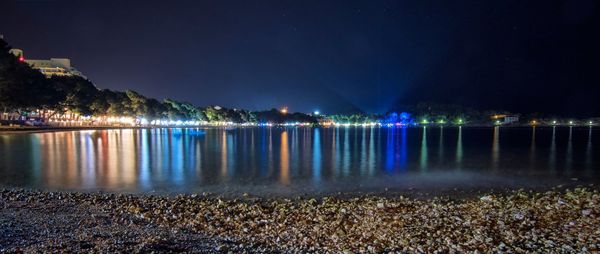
335,56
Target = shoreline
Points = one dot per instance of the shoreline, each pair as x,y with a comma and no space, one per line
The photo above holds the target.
518,221
31,129
44,129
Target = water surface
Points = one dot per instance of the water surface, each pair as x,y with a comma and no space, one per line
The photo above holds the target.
300,160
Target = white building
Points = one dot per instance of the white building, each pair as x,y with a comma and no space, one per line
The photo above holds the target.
505,119
52,67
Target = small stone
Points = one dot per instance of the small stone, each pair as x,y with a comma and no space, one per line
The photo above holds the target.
487,198
519,216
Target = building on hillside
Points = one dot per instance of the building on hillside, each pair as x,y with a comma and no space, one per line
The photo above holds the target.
18,53
52,67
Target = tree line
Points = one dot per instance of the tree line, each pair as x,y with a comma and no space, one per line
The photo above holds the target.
24,90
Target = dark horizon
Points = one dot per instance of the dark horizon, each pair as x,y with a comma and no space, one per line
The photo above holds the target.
335,56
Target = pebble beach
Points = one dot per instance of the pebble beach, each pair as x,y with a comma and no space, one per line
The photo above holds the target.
565,221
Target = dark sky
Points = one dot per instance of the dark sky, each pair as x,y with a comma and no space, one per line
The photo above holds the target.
335,56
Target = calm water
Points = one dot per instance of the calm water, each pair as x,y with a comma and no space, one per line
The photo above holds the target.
300,160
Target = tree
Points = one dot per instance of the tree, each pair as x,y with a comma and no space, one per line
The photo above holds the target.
138,104
79,93
21,87
156,110
118,103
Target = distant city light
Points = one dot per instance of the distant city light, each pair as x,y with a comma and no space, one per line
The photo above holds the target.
533,122
316,113
284,110
21,59
554,122
424,121
571,122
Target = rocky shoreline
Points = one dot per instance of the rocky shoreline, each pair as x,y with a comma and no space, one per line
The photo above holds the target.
548,222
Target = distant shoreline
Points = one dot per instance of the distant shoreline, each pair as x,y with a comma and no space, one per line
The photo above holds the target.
32,129
43,129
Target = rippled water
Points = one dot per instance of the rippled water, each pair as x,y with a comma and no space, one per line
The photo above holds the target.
299,160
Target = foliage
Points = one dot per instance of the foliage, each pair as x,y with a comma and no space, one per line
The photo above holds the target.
221,114
276,116
75,94
354,118
24,89
21,87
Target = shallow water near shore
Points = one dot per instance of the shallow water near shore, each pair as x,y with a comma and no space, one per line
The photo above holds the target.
300,161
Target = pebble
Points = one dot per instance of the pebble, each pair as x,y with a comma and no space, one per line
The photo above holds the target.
513,222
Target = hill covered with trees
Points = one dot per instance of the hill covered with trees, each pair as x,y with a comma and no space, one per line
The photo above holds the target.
24,90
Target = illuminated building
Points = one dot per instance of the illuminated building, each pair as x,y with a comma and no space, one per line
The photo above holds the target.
52,67
505,119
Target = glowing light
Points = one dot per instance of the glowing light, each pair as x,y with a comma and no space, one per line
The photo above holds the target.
316,113
284,110
498,122
554,122
591,122
441,122
533,122
21,59
571,122
424,121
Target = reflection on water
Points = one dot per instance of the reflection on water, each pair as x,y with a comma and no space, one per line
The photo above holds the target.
389,151
588,153
316,159
569,160
552,160
403,150
496,148
189,159
459,148
284,159
346,155
441,145
371,160
532,148
423,161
